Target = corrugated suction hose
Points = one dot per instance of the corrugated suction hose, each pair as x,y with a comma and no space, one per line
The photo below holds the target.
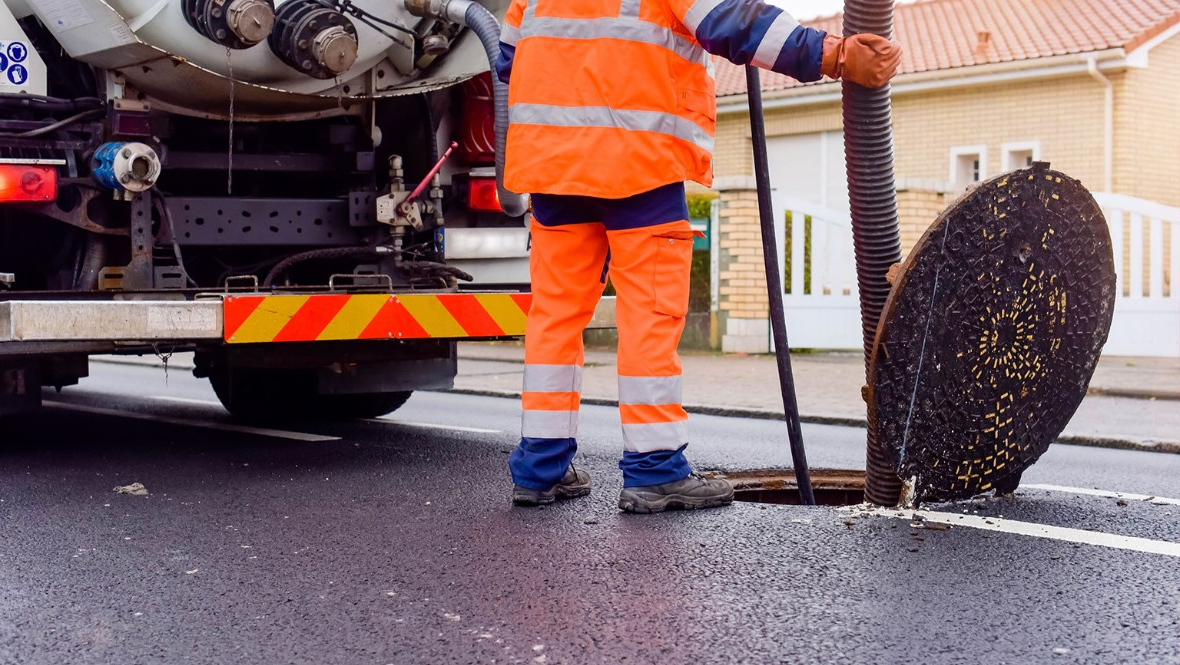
872,196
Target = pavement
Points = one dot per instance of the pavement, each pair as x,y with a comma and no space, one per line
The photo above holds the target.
1133,402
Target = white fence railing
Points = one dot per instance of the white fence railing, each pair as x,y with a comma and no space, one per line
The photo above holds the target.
819,281
1145,237
823,308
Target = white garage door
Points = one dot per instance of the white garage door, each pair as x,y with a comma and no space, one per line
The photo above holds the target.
810,167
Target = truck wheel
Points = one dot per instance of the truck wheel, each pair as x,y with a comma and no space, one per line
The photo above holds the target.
290,395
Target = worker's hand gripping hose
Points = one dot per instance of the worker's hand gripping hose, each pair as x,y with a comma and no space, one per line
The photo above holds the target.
487,28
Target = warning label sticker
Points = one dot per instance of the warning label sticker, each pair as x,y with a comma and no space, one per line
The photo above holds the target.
12,55
64,14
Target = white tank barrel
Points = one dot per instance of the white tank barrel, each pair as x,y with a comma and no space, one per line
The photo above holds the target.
287,58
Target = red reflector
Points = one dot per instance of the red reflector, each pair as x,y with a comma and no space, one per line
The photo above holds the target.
477,125
482,195
19,182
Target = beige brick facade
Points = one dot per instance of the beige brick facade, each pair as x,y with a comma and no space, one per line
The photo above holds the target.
917,209
1064,116
743,310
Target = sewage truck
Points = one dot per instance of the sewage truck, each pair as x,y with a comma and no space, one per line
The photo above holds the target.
302,192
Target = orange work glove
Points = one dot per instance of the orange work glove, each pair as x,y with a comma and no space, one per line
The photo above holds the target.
865,59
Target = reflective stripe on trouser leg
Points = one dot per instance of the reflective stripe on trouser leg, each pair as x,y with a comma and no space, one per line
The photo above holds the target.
565,265
650,270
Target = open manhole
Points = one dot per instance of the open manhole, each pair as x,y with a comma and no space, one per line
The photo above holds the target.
832,487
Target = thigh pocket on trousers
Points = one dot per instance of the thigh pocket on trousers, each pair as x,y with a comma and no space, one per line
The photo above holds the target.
672,266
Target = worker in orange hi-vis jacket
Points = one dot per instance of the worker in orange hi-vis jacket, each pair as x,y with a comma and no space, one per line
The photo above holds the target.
611,108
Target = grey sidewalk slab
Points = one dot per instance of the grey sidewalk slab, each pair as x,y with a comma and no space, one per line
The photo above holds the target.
1132,403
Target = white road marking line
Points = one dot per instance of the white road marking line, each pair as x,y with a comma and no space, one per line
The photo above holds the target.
453,428
186,400
1158,500
1038,530
189,422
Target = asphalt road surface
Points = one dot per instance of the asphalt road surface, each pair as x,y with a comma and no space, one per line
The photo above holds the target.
393,541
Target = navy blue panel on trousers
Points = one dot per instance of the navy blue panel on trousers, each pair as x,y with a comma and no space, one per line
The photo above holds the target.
539,464
654,468
658,206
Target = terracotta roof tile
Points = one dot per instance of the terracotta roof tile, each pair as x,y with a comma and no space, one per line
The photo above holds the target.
945,34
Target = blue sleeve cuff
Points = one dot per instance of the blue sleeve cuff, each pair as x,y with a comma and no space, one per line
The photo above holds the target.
504,62
803,54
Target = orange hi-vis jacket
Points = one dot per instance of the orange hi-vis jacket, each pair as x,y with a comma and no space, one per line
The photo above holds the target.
612,98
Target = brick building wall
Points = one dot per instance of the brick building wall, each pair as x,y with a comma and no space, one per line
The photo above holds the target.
1063,115
918,205
1146,135
743,314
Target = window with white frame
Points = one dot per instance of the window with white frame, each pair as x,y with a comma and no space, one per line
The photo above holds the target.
1020,154
968,165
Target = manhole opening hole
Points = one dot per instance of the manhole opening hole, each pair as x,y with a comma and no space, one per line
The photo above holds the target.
832,487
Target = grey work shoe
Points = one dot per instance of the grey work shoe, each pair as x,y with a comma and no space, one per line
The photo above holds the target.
573,484
691,493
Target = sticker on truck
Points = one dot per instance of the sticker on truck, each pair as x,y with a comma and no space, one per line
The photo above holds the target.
307,318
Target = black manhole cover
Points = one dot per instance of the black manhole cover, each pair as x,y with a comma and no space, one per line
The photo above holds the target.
991,333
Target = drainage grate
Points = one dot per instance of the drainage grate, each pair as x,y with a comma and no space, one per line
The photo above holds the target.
832,487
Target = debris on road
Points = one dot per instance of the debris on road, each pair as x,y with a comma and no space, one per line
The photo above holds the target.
135,489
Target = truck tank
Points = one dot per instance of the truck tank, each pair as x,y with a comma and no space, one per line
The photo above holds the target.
261,59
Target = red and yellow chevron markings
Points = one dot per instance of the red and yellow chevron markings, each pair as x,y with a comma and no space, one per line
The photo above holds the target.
325,317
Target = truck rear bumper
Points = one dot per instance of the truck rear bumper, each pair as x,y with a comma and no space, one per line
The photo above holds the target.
243,319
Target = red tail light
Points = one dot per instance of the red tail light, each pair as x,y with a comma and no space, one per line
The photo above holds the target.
482,195
477,128
22,182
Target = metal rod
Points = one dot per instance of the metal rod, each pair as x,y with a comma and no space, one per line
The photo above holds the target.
430,175
774,289
872,199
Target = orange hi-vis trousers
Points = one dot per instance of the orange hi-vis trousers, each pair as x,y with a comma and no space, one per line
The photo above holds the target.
649,265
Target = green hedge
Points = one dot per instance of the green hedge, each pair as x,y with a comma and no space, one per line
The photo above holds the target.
700,204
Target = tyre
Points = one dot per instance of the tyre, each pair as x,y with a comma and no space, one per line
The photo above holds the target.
273,395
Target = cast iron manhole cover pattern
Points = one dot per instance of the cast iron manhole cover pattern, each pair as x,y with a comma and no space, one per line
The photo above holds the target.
991,333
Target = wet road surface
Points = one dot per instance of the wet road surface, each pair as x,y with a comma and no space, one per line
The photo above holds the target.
393,542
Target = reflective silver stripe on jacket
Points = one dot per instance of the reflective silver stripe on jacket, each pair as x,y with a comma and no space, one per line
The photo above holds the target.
549,424
697,13
629,8
552,378
509,34
650,437
773,41
654,390
603,116
628,29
